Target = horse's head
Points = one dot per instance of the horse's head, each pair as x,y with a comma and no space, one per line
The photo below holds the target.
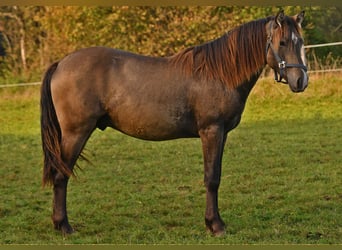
285,50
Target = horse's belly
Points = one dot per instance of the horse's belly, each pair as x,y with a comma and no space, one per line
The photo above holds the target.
154,123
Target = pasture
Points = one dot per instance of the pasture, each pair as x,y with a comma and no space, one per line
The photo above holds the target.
281,179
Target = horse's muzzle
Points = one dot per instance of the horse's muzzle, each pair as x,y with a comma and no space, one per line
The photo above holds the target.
298,82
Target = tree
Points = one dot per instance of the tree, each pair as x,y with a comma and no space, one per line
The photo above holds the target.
38,35
15,16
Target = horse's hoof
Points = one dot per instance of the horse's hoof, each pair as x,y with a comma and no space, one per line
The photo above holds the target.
67,230
219,233
216,229
64,227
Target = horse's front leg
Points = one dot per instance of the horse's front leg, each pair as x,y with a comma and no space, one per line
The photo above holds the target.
59,215
213,141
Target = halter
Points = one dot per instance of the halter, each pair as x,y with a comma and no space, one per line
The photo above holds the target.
282,65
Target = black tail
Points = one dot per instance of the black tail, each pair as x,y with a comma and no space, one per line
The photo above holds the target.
51,132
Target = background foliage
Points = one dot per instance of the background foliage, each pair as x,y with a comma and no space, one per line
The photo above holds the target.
35,36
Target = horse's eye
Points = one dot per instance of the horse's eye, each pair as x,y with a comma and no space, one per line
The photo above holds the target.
282,43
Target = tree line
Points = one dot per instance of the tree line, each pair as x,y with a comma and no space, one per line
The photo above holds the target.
32,37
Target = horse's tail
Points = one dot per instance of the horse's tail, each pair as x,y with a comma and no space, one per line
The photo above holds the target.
51,132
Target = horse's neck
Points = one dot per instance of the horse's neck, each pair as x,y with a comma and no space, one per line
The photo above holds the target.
246,87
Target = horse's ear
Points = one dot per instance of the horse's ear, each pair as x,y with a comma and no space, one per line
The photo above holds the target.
300,17
280,17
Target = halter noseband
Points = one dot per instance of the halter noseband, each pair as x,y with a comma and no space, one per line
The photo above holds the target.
281,63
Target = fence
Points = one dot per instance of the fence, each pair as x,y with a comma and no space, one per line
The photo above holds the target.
19,84
322,45
307,47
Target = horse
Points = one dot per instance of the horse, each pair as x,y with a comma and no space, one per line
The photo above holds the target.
199,92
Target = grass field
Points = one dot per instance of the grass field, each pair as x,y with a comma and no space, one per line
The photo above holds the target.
281,181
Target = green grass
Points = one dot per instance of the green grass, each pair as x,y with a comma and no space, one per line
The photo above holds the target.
281,180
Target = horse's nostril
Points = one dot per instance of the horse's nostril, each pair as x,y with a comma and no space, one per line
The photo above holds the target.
299,83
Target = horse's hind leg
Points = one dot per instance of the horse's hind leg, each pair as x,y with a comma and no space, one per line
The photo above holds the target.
73,142
59,215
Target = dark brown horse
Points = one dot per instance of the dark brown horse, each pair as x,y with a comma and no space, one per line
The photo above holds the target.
199,92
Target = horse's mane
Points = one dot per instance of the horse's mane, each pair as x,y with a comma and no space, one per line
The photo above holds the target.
232,59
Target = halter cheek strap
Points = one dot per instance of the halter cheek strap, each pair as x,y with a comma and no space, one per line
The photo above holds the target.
282,65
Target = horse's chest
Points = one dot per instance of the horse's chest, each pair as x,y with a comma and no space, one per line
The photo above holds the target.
231,111
221,108
232,123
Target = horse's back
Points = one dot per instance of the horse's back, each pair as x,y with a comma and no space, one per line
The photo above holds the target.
93,60
96,63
